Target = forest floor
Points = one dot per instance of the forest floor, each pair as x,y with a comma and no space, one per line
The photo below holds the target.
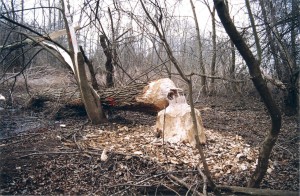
41,155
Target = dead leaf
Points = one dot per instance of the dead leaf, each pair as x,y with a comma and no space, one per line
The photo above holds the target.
104,156
138,152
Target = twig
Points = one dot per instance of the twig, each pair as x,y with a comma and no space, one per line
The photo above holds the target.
74,139
279,146
128,184
47,153
184,184
74,135
171,189
204,180
154,176
81,128
213,77
19,140
148,71
163,135
20,135
62,152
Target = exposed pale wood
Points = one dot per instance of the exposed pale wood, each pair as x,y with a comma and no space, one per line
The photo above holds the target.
175,122
274,81
56,34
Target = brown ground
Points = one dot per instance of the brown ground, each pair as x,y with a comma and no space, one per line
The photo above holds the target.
42,156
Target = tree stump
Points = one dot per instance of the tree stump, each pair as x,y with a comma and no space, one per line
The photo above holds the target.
175,121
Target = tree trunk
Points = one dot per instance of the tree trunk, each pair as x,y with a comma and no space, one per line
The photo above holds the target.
91,69
287,69
108,65
135,97
214,57
87,93
261,86
257,43
202,66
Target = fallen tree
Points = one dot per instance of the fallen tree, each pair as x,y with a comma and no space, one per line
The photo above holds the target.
174,114
149,98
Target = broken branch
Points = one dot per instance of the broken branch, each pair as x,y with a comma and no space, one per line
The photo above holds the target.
182,183
256,191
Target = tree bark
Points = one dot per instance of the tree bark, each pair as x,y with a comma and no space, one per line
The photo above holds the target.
257,43
91,69
90,99
236,190
287,69
118,98
214,57
108,65
261,86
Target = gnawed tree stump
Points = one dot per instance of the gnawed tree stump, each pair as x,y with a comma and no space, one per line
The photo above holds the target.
175,121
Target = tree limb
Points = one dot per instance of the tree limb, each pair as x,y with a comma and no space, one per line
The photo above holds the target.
40,37
255,192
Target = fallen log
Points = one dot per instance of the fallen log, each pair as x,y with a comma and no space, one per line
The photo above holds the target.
255,191
149,98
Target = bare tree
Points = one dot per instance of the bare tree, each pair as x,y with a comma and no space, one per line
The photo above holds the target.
214,46
257,42
261,86
188,81
203,85
108,64
284,58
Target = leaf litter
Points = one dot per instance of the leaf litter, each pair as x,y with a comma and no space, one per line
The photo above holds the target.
126,157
